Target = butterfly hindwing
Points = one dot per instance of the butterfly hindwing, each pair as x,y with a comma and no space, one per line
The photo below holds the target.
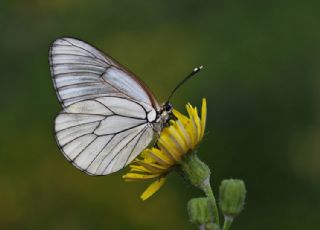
100,137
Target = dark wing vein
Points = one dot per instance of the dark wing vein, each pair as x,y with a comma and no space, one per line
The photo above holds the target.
79,55
125,98
134,147
115,145
106,167
84,50
83,149
120,91
79,84
64,145
105,146
79,73
76,125
78,63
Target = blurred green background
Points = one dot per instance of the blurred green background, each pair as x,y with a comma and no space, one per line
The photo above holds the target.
261,80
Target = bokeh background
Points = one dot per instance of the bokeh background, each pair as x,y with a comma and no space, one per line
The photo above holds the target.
261,80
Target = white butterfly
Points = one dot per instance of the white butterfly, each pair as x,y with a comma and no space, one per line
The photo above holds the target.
109,115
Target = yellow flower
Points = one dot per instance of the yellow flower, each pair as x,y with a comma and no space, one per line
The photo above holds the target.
175,141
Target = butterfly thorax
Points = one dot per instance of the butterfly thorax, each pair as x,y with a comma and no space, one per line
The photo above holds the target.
163,117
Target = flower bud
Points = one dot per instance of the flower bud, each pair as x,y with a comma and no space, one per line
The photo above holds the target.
196,171
198,211
232,196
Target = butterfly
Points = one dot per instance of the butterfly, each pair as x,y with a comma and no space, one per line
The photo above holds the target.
109,115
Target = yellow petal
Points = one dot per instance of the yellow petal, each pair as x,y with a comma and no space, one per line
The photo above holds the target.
203,116
138,168
145,157
177,137
165,143
165,151
138,176
184,134
190,130
180,116
173,140
153,188
197,124
160,157
154,168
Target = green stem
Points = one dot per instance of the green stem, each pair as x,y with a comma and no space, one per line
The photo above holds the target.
227,222
213,204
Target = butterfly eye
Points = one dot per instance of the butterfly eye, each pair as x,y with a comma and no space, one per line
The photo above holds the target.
168,107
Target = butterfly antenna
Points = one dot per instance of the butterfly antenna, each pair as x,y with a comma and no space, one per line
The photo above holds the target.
194,71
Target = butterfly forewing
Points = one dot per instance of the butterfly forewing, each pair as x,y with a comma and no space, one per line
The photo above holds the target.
80,71
108,112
